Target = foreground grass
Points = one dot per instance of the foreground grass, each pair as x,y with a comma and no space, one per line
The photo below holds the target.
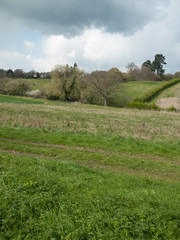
45,199
74,171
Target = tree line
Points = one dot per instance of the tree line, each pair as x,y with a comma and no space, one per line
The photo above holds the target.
19,73
70,83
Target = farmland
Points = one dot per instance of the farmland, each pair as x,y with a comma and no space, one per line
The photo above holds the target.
75,171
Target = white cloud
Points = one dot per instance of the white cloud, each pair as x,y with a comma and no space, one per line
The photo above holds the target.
29,45
12,60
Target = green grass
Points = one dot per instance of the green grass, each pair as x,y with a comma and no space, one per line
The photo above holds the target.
37,83
128,91
44,199
74,171
20,100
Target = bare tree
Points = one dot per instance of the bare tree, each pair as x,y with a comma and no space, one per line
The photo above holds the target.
101,83
145,74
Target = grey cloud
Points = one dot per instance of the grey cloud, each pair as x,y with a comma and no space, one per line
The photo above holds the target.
70,17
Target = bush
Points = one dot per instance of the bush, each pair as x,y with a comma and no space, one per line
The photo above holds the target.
3,82
15,87
156,91
172,109
142,105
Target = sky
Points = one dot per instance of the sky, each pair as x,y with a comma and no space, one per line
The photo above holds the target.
95,34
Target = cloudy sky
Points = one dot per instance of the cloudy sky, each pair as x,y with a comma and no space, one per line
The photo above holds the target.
96,34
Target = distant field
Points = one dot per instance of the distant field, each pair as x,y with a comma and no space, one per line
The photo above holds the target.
37,83
75,171
128,91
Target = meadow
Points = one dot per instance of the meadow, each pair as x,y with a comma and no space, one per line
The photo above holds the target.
37,83
130,90
75,171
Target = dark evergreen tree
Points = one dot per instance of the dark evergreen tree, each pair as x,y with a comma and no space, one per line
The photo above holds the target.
147,64
157,64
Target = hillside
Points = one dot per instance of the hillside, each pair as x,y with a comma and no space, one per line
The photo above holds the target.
74,171
169,97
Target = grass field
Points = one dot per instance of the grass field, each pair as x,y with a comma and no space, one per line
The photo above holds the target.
37,83
128,91
20,100
74,171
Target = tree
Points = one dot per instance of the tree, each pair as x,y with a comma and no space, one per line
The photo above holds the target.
9,73
18,73
157,64
177,75
2,73
64,83
133,72
101,83
131,67
31,74
146,74
147,64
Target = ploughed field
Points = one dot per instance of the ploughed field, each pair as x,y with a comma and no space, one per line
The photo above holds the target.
74,171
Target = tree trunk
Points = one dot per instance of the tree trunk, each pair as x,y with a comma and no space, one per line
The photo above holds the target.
105,102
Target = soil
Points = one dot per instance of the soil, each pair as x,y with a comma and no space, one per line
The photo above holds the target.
169,102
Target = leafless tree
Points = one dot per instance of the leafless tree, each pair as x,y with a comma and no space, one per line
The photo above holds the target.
101,83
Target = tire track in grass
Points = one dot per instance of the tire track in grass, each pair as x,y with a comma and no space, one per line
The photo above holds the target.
102,167
55,145
124,154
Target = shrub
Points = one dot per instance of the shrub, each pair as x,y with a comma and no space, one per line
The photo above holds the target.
15,87
3,83
143,105
172,109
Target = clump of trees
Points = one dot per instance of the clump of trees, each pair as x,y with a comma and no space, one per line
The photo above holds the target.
149,71
100,84
144,73
65,83
13,87
157,64
19,73
72,84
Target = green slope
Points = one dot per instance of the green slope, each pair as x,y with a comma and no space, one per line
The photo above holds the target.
75,171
